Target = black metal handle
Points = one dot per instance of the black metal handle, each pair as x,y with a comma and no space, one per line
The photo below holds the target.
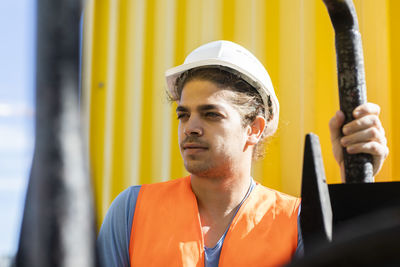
351,80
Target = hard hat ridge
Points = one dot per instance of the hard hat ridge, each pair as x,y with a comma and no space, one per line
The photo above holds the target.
235,59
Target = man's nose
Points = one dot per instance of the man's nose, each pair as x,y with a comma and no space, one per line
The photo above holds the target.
193,127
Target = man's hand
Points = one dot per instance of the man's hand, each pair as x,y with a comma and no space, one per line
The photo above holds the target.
364,134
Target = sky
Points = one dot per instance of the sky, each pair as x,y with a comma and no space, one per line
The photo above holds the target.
17,47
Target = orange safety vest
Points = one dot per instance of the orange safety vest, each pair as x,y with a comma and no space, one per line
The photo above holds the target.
166,229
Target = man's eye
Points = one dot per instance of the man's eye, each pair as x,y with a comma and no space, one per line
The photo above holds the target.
181,116
212,115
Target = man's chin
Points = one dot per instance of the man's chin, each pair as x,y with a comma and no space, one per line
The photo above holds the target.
197,168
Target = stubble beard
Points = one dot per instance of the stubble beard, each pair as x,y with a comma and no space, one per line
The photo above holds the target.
206,168
197,167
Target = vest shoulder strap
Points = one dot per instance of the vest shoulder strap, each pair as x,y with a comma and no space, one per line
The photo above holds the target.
263,231
166,226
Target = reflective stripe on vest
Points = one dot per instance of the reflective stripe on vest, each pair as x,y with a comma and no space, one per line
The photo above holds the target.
166,229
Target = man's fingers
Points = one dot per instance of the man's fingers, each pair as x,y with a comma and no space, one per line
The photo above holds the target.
367,108
377,150
373,148
364,133
362,123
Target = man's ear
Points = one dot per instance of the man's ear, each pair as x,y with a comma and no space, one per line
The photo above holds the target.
255,130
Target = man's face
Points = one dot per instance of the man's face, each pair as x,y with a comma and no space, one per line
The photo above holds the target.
211,137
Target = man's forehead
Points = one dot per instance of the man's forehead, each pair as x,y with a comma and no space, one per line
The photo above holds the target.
214,92
205,94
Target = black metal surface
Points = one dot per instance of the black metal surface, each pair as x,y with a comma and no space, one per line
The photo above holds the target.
370,240
351,79
316,213
350,201
58,226
365,224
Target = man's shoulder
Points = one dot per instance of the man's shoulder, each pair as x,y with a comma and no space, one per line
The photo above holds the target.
114,235
184,181
282,200
127,195
121,207
268,190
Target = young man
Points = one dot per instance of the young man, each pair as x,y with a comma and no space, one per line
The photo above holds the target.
219,216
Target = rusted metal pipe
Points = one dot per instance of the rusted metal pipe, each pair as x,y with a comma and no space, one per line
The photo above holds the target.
351,80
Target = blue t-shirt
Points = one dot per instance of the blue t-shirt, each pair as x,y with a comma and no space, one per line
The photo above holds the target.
114,237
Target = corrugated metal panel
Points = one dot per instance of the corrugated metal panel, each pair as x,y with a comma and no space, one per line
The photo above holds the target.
133,137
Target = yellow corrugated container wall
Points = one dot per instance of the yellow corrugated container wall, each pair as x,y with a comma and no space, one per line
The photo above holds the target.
128,45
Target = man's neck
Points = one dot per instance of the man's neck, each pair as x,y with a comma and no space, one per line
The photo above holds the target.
219,195
217,199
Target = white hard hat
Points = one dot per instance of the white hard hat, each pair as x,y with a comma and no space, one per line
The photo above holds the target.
238,60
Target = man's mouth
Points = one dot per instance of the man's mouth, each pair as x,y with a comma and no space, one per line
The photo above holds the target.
193,146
